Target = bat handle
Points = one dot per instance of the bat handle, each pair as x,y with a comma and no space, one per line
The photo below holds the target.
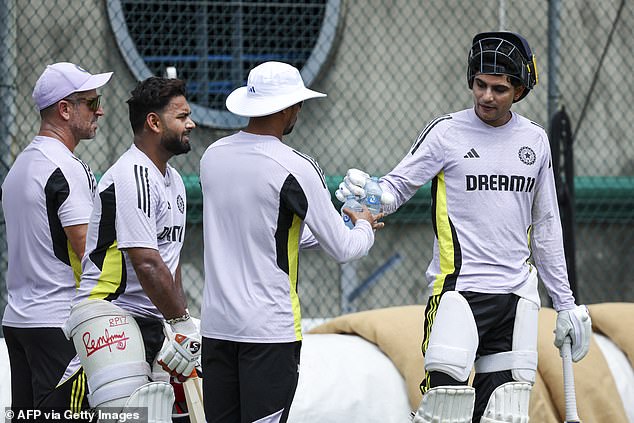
569,382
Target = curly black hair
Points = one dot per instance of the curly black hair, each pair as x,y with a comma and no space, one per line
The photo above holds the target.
152,95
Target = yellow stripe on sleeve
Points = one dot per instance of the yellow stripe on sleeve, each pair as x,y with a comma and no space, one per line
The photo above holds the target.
75,263
445,239
111,274
293,262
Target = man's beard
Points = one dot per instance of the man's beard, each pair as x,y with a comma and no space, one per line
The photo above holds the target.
172,143
288,130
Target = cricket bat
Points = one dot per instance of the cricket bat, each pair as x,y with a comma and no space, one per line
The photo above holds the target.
569,383
194,397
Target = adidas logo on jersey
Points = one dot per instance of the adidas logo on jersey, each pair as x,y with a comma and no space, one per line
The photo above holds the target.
472,154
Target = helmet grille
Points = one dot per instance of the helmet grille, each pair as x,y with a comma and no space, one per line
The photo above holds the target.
498,56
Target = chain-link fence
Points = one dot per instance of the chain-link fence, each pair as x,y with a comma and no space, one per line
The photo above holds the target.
388,67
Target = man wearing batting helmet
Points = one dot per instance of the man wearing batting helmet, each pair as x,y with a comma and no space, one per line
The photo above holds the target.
494,205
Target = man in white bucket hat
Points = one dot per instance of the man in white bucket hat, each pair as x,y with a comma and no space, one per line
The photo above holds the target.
262,202
47,199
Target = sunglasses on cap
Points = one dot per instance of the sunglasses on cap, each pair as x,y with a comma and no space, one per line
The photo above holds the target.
92,103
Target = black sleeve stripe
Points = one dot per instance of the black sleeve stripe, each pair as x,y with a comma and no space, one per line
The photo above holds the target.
315,166
107,234
293,198
147,190
56,192
139,196
92,183
293,202
142,188
424,132
106,243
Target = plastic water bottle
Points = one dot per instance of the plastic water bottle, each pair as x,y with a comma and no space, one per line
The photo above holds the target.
352,204
373,194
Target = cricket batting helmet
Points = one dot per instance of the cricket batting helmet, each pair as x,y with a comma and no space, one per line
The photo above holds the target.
504,53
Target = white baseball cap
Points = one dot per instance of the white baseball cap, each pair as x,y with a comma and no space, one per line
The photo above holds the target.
61,79
271,87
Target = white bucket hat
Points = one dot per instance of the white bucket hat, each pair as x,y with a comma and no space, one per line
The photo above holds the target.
61,79
271,87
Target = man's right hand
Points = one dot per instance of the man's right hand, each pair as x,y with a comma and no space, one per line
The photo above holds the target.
182,353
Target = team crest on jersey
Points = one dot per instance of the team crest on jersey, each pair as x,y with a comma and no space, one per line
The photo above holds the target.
527,155
180,203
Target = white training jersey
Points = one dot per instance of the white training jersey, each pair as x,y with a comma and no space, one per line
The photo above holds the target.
136,206
46,190
494,200
260,196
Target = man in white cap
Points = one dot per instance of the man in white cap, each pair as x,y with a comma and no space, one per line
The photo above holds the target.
262,202
47,199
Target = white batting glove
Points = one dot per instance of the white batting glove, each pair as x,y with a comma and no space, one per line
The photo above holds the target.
387,198
342,192
354,183
182,353
576,324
